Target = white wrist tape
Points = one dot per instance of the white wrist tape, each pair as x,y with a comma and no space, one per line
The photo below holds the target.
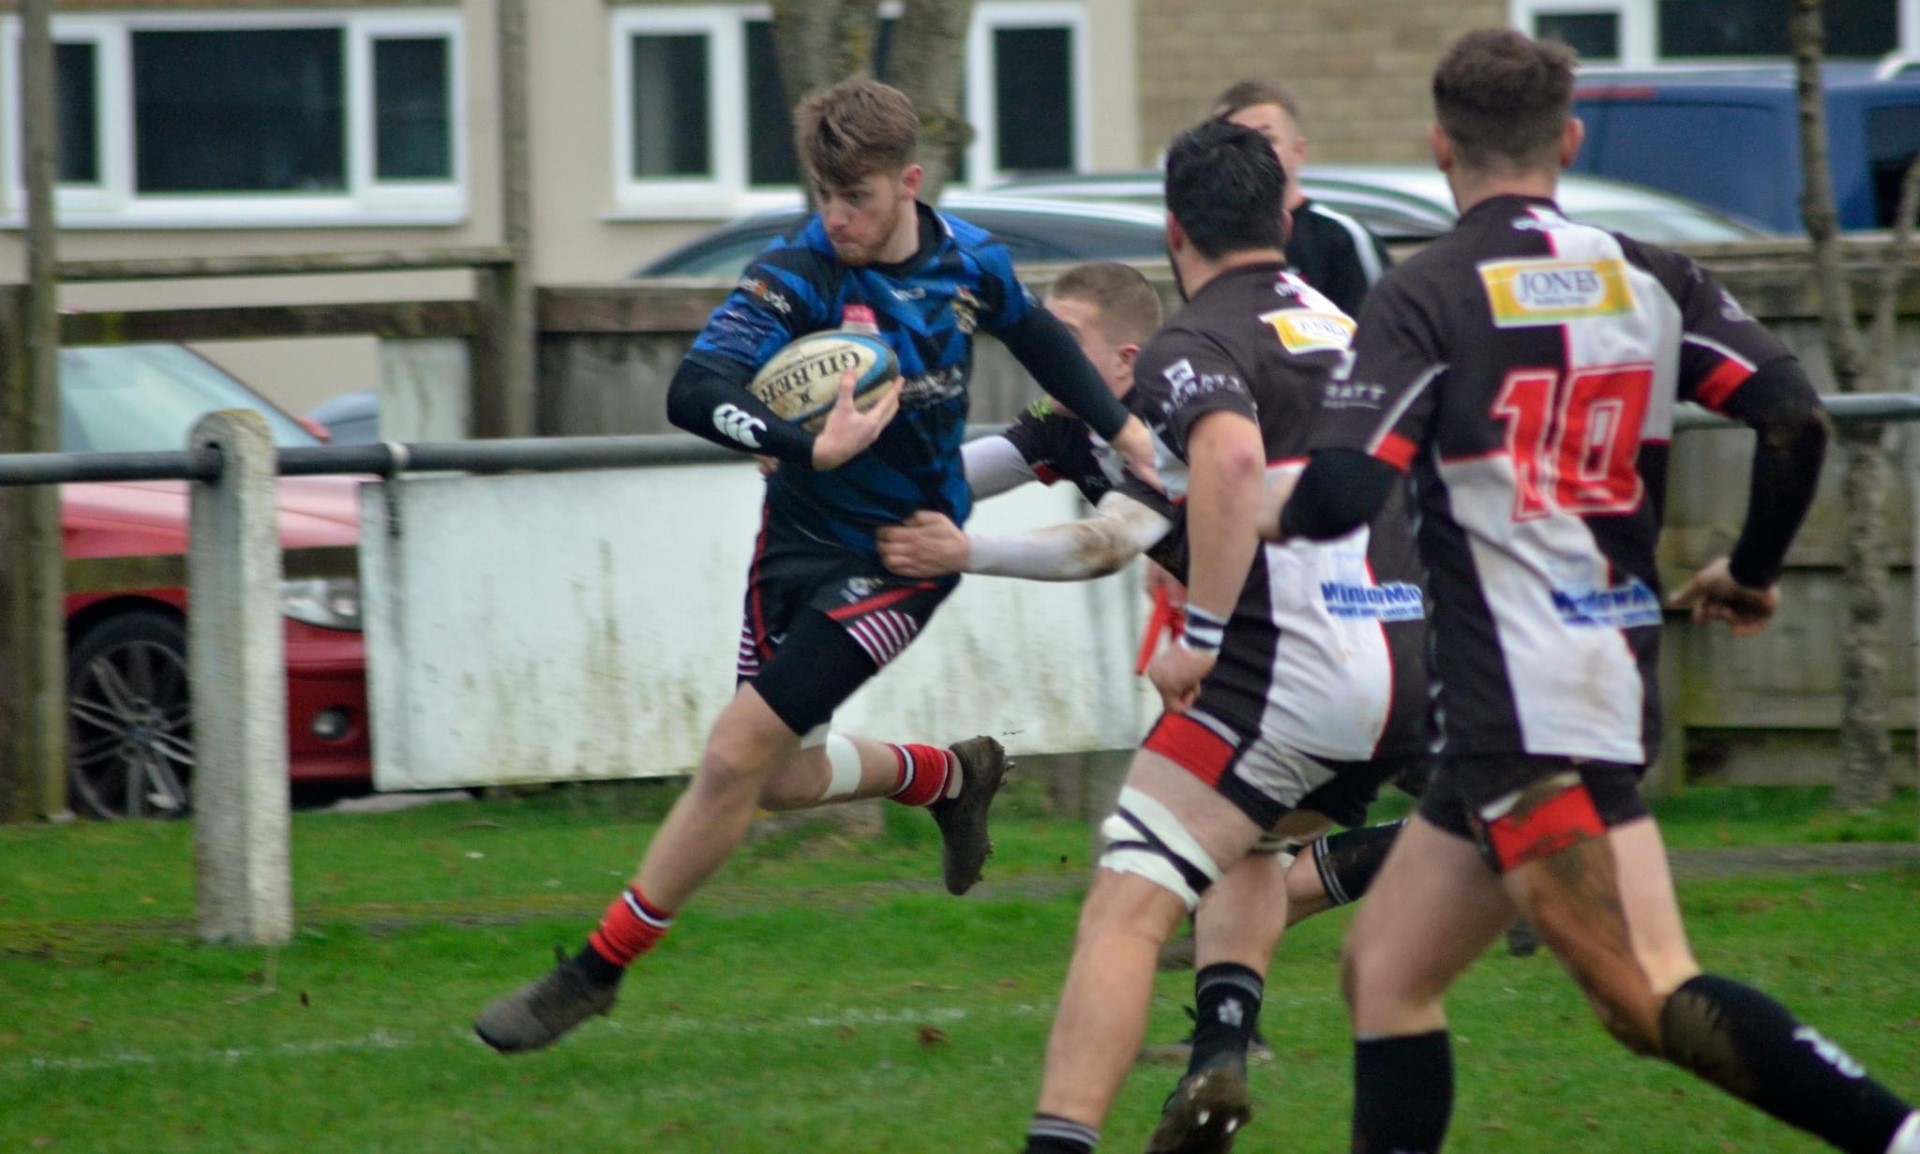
1204,632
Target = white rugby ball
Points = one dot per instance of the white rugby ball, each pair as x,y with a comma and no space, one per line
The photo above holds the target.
802,380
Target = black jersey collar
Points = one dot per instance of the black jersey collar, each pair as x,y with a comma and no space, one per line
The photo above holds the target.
1260,270
1506,203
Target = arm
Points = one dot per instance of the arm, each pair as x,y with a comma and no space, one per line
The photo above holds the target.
711,405
930,545
1779,403
994,465
1340,490
1227,467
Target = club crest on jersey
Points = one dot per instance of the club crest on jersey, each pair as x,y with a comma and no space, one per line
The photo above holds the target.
1310,332
966,310
1544,291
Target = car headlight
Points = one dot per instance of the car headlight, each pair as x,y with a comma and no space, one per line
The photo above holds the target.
329,603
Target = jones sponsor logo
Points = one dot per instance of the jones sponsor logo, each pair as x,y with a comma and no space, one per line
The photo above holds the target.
1540,292
1394,601
1621,607
1309,332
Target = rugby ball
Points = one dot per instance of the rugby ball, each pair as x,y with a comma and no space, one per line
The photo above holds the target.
802,380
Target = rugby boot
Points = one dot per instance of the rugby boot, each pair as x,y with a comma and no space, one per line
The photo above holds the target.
962,818
542,1011
1522,940
1204,1112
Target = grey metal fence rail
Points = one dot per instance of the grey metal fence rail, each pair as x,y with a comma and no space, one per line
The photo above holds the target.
553,454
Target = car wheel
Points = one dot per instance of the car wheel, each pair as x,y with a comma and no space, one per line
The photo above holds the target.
130,751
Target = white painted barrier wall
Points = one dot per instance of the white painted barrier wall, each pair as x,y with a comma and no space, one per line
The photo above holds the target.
570,626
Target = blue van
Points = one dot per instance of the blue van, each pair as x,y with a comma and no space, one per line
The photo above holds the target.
1731,137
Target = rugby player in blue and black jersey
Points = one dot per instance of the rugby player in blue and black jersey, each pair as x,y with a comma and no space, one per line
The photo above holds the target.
1523,370
822,614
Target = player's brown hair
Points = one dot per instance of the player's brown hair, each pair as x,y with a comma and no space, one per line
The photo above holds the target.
1129,308
1503,99
1252,94
854,129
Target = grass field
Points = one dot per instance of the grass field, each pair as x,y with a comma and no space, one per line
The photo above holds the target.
822,997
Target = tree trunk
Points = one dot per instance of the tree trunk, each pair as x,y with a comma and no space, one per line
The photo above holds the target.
929,62
1865,776
1866,752
817,43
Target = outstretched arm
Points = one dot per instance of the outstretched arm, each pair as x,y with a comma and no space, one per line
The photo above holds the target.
930,545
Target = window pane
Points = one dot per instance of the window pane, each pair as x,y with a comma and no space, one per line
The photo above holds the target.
74,68
1867,28
1594,35
1033,90
248,111
670,113
412,109
771,158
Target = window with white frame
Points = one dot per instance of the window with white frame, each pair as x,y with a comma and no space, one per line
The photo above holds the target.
702,128
250,119
1650,33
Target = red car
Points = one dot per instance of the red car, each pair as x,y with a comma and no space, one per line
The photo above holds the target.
131,736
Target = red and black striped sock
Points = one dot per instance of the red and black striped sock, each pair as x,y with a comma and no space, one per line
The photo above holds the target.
632,926
926,773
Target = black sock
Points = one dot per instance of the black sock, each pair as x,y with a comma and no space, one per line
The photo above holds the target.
1402,1094
1348,861
1750,1046
597,969
1226,1009
1049,1134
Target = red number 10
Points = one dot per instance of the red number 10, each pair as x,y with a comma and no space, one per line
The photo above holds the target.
1575,443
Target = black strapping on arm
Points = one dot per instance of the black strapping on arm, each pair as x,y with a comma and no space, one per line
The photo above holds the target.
698,400
1791,428
1045,348
1340,491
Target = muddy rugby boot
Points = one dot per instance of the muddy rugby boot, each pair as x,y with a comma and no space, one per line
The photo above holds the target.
1204,1112
963,818
541,1012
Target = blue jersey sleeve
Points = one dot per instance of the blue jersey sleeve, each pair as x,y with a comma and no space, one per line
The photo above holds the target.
780,296
1008,301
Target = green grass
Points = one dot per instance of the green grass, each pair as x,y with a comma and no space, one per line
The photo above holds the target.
819,998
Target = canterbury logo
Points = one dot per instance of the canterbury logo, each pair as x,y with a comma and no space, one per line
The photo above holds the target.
737,424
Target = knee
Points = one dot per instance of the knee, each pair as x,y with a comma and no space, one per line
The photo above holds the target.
735,763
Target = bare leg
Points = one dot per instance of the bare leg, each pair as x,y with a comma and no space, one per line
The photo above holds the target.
802,781
1103,1007
705,826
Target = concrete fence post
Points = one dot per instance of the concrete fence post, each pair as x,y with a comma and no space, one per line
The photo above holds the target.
236,648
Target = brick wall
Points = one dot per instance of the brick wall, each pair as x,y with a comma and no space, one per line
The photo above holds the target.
1359,68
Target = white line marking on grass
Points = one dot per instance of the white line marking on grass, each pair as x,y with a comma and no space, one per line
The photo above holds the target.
378,1040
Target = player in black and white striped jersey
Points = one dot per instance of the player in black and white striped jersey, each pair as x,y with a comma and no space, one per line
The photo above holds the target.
1524,369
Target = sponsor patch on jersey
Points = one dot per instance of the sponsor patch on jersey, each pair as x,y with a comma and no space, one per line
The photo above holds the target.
1302,331
1538,291
1621,607
1394,601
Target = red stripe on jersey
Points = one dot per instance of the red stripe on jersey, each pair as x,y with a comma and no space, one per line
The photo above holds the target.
1397,451
1045,475
756,614
1191,746
877,601
1721,383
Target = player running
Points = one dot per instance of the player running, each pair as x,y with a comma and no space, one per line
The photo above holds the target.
822,614
1524,370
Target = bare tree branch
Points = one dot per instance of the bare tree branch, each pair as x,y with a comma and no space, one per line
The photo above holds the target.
1837,317
1893,262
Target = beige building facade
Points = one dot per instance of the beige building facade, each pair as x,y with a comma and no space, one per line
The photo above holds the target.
242,127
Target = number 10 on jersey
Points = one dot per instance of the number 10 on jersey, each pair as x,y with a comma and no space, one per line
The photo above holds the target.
1575,438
